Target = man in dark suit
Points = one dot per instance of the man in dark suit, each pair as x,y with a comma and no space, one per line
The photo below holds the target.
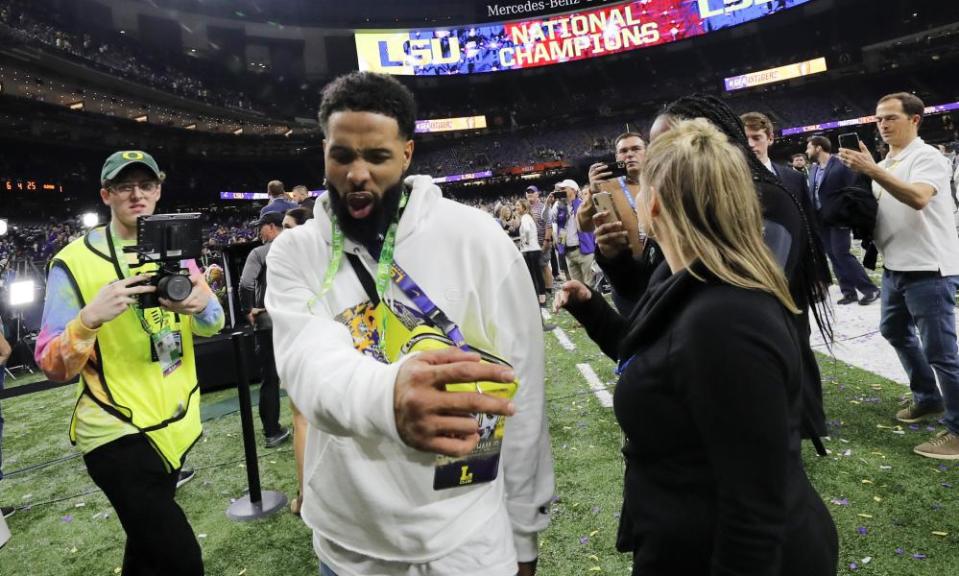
759,132
827,176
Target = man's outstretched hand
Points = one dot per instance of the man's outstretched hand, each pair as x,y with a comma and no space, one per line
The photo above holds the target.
431,419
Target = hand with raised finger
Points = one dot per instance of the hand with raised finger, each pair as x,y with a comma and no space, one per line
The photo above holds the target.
572,292
431,419
113,299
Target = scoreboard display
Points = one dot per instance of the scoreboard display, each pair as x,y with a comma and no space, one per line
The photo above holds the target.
29,185
553,39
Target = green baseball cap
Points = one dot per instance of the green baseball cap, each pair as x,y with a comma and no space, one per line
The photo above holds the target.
123,158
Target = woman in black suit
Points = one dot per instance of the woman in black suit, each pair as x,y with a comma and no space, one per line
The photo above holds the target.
711,372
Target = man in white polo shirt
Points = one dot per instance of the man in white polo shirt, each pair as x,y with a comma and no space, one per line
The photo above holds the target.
917,238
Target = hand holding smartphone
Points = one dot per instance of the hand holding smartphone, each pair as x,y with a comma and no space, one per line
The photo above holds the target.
604,203
849,141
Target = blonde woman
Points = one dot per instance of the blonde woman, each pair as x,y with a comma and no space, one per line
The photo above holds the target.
709,394
529,246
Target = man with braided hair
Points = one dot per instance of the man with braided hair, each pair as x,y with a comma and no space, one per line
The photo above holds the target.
787,232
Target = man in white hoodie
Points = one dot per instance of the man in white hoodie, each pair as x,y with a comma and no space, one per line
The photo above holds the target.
376,428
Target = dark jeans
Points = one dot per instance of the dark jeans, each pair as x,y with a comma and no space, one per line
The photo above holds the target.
849,271
160,540
269,384
533,258
924,302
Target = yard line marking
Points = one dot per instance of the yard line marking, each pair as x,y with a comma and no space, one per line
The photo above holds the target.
602,394
564,340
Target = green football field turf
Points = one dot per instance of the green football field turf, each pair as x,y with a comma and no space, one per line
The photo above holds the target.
888,503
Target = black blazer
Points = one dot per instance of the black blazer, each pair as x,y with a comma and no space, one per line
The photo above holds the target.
793,180
710,398
835,178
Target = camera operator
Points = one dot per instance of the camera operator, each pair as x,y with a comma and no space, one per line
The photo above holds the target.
138,411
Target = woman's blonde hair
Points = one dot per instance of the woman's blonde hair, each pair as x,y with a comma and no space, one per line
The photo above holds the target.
524,204
710,208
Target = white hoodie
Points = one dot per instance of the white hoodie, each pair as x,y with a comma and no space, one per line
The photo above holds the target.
364,489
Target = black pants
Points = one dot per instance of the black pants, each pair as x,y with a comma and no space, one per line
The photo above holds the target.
532,258
269,384
160,540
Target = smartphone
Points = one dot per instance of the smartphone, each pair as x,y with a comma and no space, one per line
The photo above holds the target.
617,168
849,141
604,203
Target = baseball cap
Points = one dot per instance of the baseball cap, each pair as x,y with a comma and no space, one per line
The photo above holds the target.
123,158
568,183
275,218
532,189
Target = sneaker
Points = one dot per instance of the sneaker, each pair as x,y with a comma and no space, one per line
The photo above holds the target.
847,300
8,511
869,298
945,446
913,412
185,475
278,438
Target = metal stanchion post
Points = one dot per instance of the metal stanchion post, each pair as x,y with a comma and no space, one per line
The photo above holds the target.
258,503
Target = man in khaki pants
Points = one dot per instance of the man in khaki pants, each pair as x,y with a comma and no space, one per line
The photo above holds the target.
575,245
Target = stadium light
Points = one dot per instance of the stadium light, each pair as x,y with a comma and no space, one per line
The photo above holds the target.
90,219
22,292
3,227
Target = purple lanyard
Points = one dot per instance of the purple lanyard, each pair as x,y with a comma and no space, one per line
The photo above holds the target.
426,306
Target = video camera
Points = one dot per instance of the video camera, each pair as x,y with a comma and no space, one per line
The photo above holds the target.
167,239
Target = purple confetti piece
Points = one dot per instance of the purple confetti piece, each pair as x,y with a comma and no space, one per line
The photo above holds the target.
555,499
946,485
853,566
918,556
930,428
583,540
595,510
862,530
914,427
900,551
68,518
943,468
840,501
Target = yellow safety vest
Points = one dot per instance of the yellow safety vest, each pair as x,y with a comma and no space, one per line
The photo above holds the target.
132,386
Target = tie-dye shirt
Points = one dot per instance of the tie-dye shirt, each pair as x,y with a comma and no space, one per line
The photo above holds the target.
65,348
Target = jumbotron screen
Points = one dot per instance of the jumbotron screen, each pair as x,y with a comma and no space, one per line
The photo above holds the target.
553,39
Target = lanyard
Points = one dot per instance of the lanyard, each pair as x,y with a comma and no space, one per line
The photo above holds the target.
428,308
386,253
629,197
123,271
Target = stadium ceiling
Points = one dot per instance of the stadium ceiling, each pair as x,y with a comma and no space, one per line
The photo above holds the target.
378,13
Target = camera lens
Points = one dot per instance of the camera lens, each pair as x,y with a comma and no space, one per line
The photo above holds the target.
174,287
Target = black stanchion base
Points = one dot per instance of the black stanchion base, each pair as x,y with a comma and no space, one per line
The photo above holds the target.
242,509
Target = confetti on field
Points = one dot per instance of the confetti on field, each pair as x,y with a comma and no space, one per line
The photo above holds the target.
583,540
840,501
73,550
593,533
68,518
866,560
242,572
918,556
863,531
939,533
79,504
877,498
593,557
864,515
867,481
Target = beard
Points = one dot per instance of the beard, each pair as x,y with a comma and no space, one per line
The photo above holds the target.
370,229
